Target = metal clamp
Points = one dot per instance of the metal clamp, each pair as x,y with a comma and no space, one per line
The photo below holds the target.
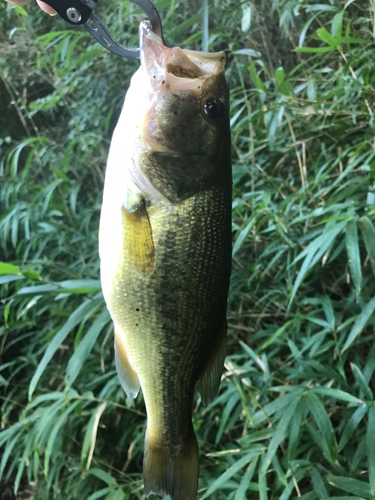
80,12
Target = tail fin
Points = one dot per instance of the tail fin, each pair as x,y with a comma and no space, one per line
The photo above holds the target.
171,471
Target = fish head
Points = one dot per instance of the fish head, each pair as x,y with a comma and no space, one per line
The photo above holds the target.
188,98
174,125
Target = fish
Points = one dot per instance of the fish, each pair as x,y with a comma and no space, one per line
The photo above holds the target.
165,249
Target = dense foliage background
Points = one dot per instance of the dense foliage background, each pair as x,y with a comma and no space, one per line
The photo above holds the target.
295,417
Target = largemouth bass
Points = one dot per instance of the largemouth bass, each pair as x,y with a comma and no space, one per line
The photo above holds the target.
165,249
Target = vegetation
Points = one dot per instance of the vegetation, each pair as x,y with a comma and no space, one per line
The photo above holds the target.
295,417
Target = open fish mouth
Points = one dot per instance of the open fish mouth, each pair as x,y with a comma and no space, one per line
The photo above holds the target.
176,69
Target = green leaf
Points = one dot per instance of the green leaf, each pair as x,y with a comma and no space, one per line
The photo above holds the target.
370,442
32,275
83,311
21,10
9,269
234,469
361,381
104,476
360,323
56,428
314,50
246,18
368,235
351,239
329,445
280,433
38,289
9,278
246,479
276,405
350,485
318,483
331,40
337,394
90,437
280,331
101,493
85,346
328,311
225,414
295,429
7,452
282,82
352,425
243,234
256,79
262,480
315,251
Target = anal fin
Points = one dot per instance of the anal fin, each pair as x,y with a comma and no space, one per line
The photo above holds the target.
209,380
139,248
128,377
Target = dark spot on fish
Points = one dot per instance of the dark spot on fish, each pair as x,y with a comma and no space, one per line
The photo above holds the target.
163,82
137,309
136,324
154,76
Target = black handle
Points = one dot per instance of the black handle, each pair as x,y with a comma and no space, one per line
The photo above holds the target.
73,11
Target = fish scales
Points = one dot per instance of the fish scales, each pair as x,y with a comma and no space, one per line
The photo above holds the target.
165,247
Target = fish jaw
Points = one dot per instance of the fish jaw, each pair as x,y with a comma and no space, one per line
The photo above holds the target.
177,70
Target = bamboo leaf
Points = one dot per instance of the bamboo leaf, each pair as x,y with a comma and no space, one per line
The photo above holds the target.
368,235
104,476
349,485
329,445
56,428
9,269
361,381
351,238
360,323
85,346
83,311
88,446
280,433
370,442
234,469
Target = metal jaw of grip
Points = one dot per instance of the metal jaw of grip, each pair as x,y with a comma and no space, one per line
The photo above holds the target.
80,12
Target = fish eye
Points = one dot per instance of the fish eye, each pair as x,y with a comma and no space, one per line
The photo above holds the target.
213,108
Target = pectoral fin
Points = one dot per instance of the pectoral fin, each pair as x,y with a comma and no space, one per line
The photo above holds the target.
138,242
210,378
128,377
